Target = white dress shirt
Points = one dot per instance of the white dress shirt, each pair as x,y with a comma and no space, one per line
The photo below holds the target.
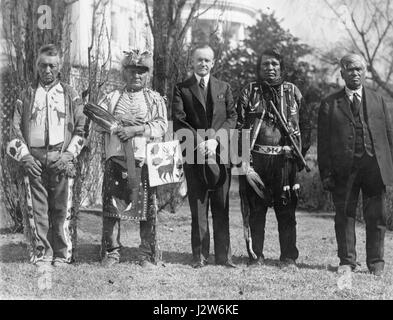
205,78
350,93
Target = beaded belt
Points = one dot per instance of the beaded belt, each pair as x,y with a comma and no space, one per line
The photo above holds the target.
270,150
55,147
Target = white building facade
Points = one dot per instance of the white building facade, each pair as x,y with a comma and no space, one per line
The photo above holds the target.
127,25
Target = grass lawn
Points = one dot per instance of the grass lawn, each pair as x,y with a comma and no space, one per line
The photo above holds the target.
176,279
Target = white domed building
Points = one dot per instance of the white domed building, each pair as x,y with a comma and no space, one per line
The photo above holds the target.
128,25
228,19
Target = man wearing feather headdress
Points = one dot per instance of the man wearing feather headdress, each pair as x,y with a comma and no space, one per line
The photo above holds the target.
47,135
270,176
141,118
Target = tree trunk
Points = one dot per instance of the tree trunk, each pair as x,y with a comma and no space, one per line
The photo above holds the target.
23,39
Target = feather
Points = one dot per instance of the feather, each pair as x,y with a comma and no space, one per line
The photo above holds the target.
100,116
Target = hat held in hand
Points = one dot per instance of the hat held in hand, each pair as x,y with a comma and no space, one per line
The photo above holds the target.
214,173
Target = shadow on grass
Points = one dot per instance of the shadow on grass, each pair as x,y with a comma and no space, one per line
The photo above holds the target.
313,266
177,257
11,230
5,231
90,253
243,260
14,252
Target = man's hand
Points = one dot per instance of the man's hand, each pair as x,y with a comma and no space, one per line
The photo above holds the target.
31,165
63,163
125,133
208,147
211,146
328,184
128,120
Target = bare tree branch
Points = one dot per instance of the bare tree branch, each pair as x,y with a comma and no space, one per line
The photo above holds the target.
373,37
149,17
363,38
190,17
390,72
380,39
381,83
207,9
344,23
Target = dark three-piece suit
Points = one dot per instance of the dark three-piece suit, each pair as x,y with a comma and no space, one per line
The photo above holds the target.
193,110
355,152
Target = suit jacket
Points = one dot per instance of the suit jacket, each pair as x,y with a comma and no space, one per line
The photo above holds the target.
336,135
189,108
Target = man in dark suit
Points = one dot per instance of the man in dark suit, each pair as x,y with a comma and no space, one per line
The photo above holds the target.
204,106
355,152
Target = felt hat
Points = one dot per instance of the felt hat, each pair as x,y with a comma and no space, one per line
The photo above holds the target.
213,173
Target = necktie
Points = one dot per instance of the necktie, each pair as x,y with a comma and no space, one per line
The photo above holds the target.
355,105
202,83
202,87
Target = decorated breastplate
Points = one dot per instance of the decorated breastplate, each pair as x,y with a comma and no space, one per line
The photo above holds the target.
131,107
270,132
131,104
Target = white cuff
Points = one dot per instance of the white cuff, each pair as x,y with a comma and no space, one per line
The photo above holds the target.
17,149
76,145
246,168
147,132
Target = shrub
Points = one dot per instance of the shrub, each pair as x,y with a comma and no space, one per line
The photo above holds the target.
313,197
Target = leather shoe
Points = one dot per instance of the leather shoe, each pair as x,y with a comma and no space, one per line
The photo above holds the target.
289,264
109,261
146,264
43,263
199,264
60,264
256,262
377,272
230,264
357,269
